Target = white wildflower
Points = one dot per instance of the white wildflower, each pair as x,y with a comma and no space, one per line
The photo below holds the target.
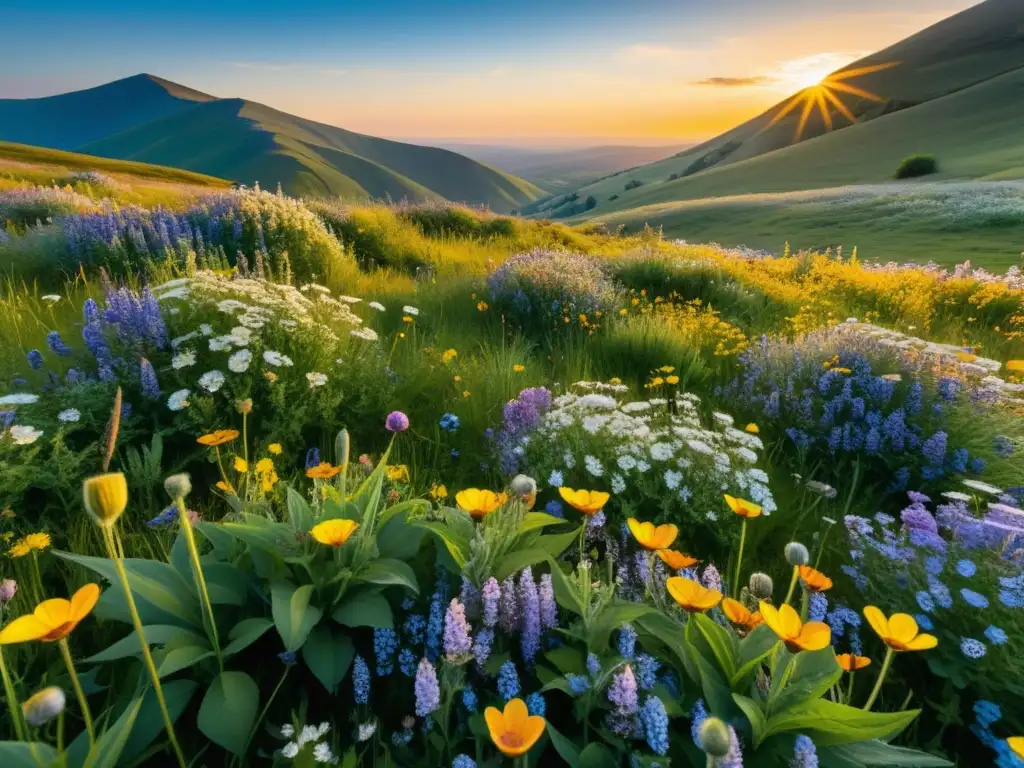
25,435
977,485
69,415
593,465
211,381
699,446
364,333
597,402
569,460
626,462
287,730
555,479
276,359
618,483
239,361
288,323
240,336
662,451
206,329
822,489
376,305
673,479
184,359
957,496
179,400
723,418
746,454
220,343
316,379
19,398
177,342
366,730
290,750
642,466
230,305
410,310
51,298
349,299
322,753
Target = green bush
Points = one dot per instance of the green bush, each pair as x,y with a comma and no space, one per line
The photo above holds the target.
917,165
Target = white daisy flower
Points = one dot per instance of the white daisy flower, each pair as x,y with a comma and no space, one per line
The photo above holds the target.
24,434
179,400
69,415
220,343
276,359
593,465
410,310
19,398
977,485
240,336
316,379
376,305
239,361
51,298
364,333
206,329
184,359
211,381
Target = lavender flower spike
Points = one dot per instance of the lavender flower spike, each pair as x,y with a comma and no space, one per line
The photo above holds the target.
529,606
622,692
428,690
491,597
457,643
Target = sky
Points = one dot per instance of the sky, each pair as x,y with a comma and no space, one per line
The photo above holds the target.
530,72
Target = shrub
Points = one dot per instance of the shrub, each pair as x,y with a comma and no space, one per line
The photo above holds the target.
633,184
917,165
27,206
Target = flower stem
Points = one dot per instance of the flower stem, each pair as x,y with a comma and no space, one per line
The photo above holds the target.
12,699
881,678
739,559
197,571
263,714
849,690
147,656
77,685
792,585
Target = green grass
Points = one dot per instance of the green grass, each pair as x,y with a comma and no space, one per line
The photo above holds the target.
910,222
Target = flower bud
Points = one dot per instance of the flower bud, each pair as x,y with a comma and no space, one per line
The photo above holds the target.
525,487
715,738
341,449
8,589
105,497
244,406
797,554
761,586
42,706
178,486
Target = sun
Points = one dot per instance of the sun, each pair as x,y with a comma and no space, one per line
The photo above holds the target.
820,91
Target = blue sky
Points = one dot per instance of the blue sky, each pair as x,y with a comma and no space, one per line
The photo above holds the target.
528,70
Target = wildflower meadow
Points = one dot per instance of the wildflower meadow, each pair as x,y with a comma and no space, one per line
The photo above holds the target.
297,483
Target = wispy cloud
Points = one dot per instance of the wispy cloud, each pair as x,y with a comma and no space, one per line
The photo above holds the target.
735,82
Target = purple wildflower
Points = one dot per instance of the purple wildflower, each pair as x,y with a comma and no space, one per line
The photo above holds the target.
396,422
491,597
457,642
428,691
548,606
623,691
509,613
147,378
529,610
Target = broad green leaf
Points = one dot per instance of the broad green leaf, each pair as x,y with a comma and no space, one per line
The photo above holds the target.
328,654
814,672
111,743
537,520
565,748
596,756
398,539
457,547
556,543
721,642
294,617
672,634
221,540
21,754
567,660
157,634
878,753
299,512
245,633
753,650
149,723
828,723
405,509
716,691
516,560
225,583
386,570
367,608
565,593
263,538
752,710
157,583
611,618
228,711
178,659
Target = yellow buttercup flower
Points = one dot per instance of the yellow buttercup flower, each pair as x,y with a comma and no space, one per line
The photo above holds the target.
482,306
264,465
241,465
514,731
738,614
322,471
226,487
334,533
53,619
1017,366
398,473
105,497
676,560
742,507
20,549
691,596
587,502
785,622
652,537
899,631
1016,743
815,581
438,492
274,448
479,502
851,662
219,437
448,355
407,319
37,541
752,428
519,368
466,393
667,368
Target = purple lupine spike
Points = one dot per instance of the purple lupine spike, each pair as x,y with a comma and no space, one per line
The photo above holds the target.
427,689
548,606
147,376
491,598
623,692
457,642
509,613
529,610
482,647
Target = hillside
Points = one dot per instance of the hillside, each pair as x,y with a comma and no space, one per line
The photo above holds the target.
147,119
959,54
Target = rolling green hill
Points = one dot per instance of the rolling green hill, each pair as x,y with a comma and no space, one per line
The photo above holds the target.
956,75
147,119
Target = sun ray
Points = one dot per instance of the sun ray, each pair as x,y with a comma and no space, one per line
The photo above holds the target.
847,88
793,104
846,74
838,103
823,108
808,108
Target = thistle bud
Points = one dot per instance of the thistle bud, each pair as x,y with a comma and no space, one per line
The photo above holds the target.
178,486
715,738
797,554
341,449
761,586
42,706
105,497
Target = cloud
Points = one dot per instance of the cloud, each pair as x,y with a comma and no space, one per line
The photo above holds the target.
735,82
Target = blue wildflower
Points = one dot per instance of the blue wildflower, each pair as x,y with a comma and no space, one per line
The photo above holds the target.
427,689
435,621
35,359
647,671
554,508
971,648
168,516
1003,446
698,715
147,379
508,681
407,662
805,754
482,646
593,665
449,422
529,608
288,658
926,601
56,343
578,684
974,599
924,622
627,642
996,635
940,592
385,643
361,680
312,458
463,761
818,606
555,479
654,721
987,712
536,705
469,699
966,568
622,692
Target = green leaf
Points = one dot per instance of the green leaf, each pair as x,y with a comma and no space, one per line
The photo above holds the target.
19,754
368,608
672,634
294,617
149,723
457,546
828,723
228,711
111,743
721,642
814,672
567,660
225,583
328,654
181,658
397,539
753,650
403,509
299,512
385,570
556,543
873,752
716,691
537,520
516,560
752,710
611,618
245,633
565,748
156,634
158,584
565,593
596,756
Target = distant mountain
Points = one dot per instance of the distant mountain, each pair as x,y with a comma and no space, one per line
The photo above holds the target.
955,91
556,170
148,119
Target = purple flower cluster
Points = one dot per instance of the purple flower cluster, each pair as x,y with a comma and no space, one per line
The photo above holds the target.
519,418
457,642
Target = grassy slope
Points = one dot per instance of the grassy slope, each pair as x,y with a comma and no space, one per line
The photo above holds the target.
38,156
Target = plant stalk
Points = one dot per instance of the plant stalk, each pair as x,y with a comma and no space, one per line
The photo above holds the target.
739,559
881,679
197,571
79,692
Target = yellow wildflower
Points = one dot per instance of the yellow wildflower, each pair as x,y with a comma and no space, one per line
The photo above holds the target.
240,464
519,368
481,306
39,541
274,448
438,492
448,355
398,473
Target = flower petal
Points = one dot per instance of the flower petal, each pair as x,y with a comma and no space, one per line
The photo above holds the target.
53,612
495,723
815,635
770,614
790,621
22,630
877,621
516,715
902,627
532,730
83,601
922,643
